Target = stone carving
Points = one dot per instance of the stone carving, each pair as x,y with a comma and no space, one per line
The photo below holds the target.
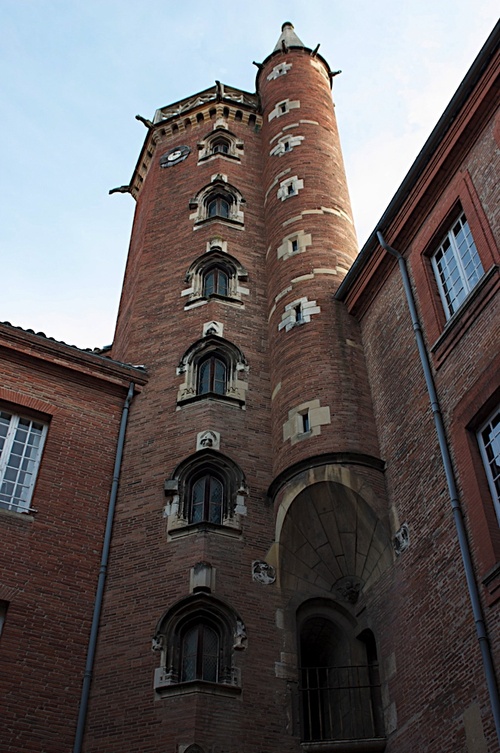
157,643
349,588
208,440
213,328
240,636
401,539
263,573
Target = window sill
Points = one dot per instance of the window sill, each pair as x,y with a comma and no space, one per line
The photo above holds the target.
369,745
466,315
230,157
197,686
201,299
211,397
237,224
17,514
186,529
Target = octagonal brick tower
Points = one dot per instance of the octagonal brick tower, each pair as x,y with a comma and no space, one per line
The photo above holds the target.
320,402
241,235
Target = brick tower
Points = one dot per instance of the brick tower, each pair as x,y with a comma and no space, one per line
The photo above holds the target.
250,530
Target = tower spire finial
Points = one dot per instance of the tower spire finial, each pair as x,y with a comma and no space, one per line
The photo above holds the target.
288,38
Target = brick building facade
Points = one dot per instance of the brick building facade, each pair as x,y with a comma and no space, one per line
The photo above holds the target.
284,572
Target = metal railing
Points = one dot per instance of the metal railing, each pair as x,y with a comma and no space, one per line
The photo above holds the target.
340,703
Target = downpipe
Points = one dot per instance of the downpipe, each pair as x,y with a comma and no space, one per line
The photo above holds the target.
89,666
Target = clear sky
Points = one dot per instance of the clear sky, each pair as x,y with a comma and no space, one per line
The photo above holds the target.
74,73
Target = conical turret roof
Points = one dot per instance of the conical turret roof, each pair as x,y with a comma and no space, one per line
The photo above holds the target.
288,37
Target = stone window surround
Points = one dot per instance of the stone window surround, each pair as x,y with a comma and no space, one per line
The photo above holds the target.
286,250
289,317
198,608
279,149
283,107
215,257
218,187
289,187
237,368
178,488
279,70
206,145
318,417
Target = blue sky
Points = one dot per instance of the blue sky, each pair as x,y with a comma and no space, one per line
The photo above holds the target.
74,75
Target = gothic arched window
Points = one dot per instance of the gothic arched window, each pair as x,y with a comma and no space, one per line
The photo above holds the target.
218,274
206,499
199,638
206,489
212,375
218,201
213,367
215,281
220,142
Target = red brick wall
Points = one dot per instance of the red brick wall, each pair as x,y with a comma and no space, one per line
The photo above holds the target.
49,560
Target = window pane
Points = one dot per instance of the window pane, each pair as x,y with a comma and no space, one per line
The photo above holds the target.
189,653
219,385
210,654
457,266
204,378
210,283
215,501
222,282
20,448
489,443
198,500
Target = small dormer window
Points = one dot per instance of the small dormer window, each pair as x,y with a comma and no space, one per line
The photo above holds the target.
220,142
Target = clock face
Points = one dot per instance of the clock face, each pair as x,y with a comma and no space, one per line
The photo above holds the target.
175,155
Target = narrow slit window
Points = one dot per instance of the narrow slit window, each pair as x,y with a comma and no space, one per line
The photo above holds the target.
306,423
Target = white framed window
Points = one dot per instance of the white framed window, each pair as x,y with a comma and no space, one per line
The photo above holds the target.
489,444
21,445
457,266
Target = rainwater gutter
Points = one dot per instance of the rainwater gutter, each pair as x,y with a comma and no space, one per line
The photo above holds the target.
89,666
484,642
